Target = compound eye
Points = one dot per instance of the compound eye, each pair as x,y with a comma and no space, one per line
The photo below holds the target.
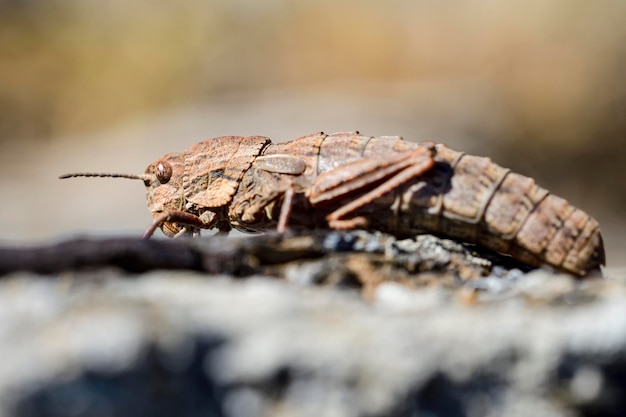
163,172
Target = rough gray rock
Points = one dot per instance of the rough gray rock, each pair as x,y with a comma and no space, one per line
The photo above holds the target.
105,343
328,323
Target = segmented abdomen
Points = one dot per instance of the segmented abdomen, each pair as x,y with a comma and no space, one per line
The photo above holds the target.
473,199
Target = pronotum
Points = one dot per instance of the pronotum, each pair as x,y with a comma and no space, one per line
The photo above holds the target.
347,180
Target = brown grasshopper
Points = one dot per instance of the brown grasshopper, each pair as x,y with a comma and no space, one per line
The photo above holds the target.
347,180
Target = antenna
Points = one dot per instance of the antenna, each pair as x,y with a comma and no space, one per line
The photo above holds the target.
111,175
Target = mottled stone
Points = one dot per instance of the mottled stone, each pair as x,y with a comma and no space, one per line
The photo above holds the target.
190,344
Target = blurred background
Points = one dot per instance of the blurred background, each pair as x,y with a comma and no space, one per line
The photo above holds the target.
539,86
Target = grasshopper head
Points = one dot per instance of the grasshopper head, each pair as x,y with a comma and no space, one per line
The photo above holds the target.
164,189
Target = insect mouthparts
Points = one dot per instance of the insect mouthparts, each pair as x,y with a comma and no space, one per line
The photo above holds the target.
110,175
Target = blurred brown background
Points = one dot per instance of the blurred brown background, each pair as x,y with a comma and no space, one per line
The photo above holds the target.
537,85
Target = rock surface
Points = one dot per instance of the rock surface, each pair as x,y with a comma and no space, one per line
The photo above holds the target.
381,338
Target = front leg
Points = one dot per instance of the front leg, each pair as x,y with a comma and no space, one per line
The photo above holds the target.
169,221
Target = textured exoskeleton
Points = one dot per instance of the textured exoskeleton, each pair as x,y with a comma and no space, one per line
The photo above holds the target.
347,180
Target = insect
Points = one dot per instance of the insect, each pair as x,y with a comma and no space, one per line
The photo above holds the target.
347,180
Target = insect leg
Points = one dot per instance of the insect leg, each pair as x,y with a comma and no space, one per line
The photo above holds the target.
285,210
335,218
174,216
402,168
363,173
